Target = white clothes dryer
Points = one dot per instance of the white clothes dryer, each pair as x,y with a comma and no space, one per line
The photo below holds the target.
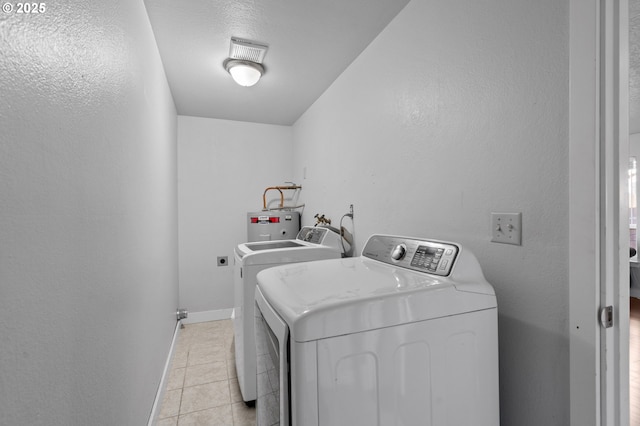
405,334
311,243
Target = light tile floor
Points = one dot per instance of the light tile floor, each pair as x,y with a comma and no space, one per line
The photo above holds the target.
202,388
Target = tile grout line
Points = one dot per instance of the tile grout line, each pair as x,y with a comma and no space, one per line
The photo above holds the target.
199,337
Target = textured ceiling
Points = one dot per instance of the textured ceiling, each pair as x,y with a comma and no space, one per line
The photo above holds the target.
310,43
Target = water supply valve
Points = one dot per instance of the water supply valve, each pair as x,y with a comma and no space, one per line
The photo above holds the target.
182,313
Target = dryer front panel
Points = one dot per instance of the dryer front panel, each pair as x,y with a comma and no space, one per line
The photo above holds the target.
438,372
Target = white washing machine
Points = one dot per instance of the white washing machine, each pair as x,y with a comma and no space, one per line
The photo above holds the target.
311,243
405,334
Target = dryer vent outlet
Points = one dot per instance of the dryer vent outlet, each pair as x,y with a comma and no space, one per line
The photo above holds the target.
223,261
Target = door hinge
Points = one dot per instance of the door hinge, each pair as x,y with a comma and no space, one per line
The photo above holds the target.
606,317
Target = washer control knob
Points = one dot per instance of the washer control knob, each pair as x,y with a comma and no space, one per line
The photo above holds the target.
398,252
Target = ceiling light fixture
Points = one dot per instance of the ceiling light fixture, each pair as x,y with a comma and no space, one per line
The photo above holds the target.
245,61
245,73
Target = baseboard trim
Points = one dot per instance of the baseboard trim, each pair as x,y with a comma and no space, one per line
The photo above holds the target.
157,403
203,316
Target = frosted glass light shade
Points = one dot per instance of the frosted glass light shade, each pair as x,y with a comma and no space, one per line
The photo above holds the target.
245,73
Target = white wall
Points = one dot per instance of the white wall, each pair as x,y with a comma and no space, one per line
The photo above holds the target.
634,66
634,145
88,217
634,151
223,167
456,110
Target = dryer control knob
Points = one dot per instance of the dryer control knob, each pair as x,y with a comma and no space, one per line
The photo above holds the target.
398,252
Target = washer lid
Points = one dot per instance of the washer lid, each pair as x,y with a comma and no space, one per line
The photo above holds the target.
270,245
304,253
342,296
312,243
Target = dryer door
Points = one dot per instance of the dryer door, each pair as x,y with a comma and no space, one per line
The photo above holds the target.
274,381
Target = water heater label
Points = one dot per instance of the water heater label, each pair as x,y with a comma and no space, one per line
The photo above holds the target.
266,219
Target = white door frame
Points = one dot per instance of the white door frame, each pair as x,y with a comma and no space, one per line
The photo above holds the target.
598,234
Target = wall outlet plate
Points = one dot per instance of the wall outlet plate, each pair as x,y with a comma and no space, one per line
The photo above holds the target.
506,228
223,261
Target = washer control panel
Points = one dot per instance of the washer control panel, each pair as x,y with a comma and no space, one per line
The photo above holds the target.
312,235
429,256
